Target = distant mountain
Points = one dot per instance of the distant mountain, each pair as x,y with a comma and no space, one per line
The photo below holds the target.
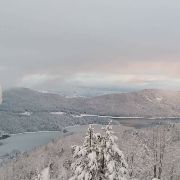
28,110
143,103
149,103
25,110
23,99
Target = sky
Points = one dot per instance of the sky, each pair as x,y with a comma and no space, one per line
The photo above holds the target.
109,45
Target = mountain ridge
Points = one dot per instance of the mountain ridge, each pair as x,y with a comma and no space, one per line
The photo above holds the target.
25,110
148,102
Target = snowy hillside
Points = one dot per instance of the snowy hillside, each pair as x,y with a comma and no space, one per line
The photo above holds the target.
138,147
27,110
143,103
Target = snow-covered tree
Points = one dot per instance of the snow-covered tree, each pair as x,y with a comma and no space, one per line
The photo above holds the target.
99,158
38,175
85,166
114,163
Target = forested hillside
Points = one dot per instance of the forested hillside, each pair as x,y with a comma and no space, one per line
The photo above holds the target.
145,150
27,110
143,103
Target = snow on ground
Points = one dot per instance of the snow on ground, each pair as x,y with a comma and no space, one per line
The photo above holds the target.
159,99
148,98
113,117
57,113
26,113
45,174
85,115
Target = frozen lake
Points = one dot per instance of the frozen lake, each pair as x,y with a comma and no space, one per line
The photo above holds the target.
26,141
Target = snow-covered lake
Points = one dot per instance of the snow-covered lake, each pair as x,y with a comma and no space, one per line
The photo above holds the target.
27,141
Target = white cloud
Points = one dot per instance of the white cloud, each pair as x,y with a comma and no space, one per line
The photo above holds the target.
120,80
31,80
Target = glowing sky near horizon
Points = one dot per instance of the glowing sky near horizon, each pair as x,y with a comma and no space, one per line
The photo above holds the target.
117,44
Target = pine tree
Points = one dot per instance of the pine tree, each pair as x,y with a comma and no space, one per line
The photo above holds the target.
115,166
85,166
99,158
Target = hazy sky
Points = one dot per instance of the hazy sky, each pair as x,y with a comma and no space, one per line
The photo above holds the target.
114,44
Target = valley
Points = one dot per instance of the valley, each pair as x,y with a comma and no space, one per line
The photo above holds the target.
26,110
43,126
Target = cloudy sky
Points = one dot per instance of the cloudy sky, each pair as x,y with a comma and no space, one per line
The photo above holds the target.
101,44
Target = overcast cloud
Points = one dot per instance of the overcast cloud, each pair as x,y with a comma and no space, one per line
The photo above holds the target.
114,44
